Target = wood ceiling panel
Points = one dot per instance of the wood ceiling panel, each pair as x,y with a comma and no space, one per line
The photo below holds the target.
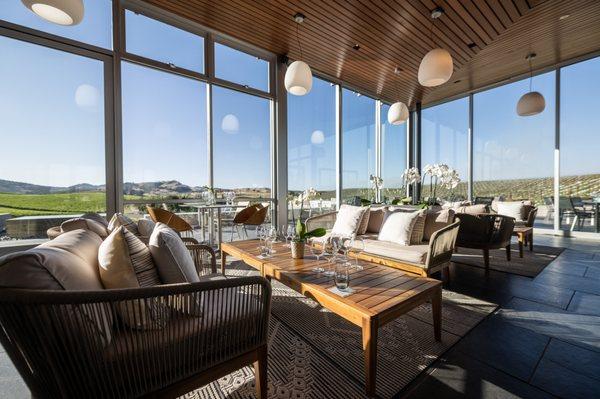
488,39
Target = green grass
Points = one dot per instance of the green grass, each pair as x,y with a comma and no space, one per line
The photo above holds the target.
52,204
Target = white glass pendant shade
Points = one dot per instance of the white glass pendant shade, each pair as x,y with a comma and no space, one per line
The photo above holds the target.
531,103
397,114
298,78
61,12
436,68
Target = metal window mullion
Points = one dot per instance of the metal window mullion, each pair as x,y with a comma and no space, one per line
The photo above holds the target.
418,150
378,145
470,151
557,152
279,118
338,147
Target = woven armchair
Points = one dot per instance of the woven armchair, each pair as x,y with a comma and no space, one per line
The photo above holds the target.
72,344
485,232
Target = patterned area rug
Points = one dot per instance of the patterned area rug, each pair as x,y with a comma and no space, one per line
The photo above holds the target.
314,353
530,265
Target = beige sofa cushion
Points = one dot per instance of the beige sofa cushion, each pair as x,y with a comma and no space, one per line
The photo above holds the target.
119,219
398,227
376,217
476,209
416,238
408,253
96,218
172,258
86,224
435,220
145,227
348,220
364,221
126,262
514,209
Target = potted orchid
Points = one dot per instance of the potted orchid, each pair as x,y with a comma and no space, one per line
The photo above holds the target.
376,185
299,240
410,176
440,174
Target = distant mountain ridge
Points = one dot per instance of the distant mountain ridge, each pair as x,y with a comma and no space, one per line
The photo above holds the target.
16,187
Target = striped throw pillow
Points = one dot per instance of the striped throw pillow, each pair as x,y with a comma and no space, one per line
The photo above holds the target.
118,219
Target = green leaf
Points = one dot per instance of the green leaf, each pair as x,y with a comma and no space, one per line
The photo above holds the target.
319,232
300,229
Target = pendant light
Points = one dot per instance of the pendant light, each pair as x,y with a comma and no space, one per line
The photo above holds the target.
298,77
436,67
61,12
398,112
531,103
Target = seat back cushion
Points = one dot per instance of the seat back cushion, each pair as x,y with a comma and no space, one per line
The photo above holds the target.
477,209
68,262
125,262
514,209
416,237
145,227
398,227
96,218
348,220
119,219
376,217
172,258
364,221
435,220
86,224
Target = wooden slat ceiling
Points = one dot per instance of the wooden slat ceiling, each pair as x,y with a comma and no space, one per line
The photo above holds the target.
488,39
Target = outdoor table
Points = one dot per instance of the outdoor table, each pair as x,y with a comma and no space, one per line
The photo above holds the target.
211,210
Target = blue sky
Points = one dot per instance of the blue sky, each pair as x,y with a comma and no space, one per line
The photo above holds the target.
51,107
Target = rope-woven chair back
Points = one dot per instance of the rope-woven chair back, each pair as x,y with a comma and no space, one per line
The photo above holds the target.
169,218
258,217
244,214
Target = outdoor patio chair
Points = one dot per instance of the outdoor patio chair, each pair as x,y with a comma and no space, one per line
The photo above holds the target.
549,203
172,220
256,219
241,217
484,200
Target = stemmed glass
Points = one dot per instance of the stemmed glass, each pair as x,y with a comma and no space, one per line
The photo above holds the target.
358,246
290,231
332,247
317,250
272,237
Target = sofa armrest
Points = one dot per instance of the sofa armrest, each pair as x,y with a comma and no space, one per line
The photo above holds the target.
52,336
441,246
324,220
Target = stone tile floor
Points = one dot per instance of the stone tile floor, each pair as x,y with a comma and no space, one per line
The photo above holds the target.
544,341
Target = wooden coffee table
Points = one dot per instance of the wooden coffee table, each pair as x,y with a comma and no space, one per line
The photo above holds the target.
381,294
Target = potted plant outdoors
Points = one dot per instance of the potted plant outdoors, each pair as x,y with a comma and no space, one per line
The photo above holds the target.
299,239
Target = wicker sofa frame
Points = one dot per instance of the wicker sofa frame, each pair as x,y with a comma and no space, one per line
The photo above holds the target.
52,343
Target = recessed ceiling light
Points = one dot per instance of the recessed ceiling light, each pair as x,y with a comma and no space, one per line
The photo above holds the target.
471,45
356,47
564,17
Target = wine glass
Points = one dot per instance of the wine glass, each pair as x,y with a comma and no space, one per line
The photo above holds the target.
317,250
332,247
358,246
290,231
272,237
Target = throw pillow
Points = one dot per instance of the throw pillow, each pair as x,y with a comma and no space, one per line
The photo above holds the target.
145,227
364,221
435,220
376,217
126,262
118,219
96,217
172,258
85,224
398,227
477,209
348,220
514,209
416,238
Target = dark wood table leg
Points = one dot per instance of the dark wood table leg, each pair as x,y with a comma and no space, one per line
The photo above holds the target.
223,261
520,239
436,310
369,336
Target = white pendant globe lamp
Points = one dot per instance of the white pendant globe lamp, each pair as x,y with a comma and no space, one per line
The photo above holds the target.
298,77
533,102
398,112
436,67
61,12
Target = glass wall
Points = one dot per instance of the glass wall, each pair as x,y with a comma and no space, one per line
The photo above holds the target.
358,146
580,146
444,139
165,155
52,116
242,68
394,139
311,143
242,143
513,155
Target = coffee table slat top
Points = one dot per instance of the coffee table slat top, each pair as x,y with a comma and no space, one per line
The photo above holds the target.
376,288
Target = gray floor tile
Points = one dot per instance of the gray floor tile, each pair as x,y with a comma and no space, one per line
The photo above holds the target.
543,319
504,346
461,376
566,266
585,304
574,358
593,273
563,382
576,283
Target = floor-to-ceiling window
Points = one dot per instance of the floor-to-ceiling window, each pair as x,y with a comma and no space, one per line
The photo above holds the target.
393,156
580,145
444,140
311,144
513,155
358,146
52,119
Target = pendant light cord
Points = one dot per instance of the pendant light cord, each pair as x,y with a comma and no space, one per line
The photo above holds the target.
530,74
298,38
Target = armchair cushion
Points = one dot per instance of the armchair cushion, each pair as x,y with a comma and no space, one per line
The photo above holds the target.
398,227
364,221
96,218
86,224
416,238
514,209
408,253
477,209
376,217
172,258
435,220
348,220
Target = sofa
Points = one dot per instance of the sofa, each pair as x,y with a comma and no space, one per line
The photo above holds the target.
428,256
68,336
